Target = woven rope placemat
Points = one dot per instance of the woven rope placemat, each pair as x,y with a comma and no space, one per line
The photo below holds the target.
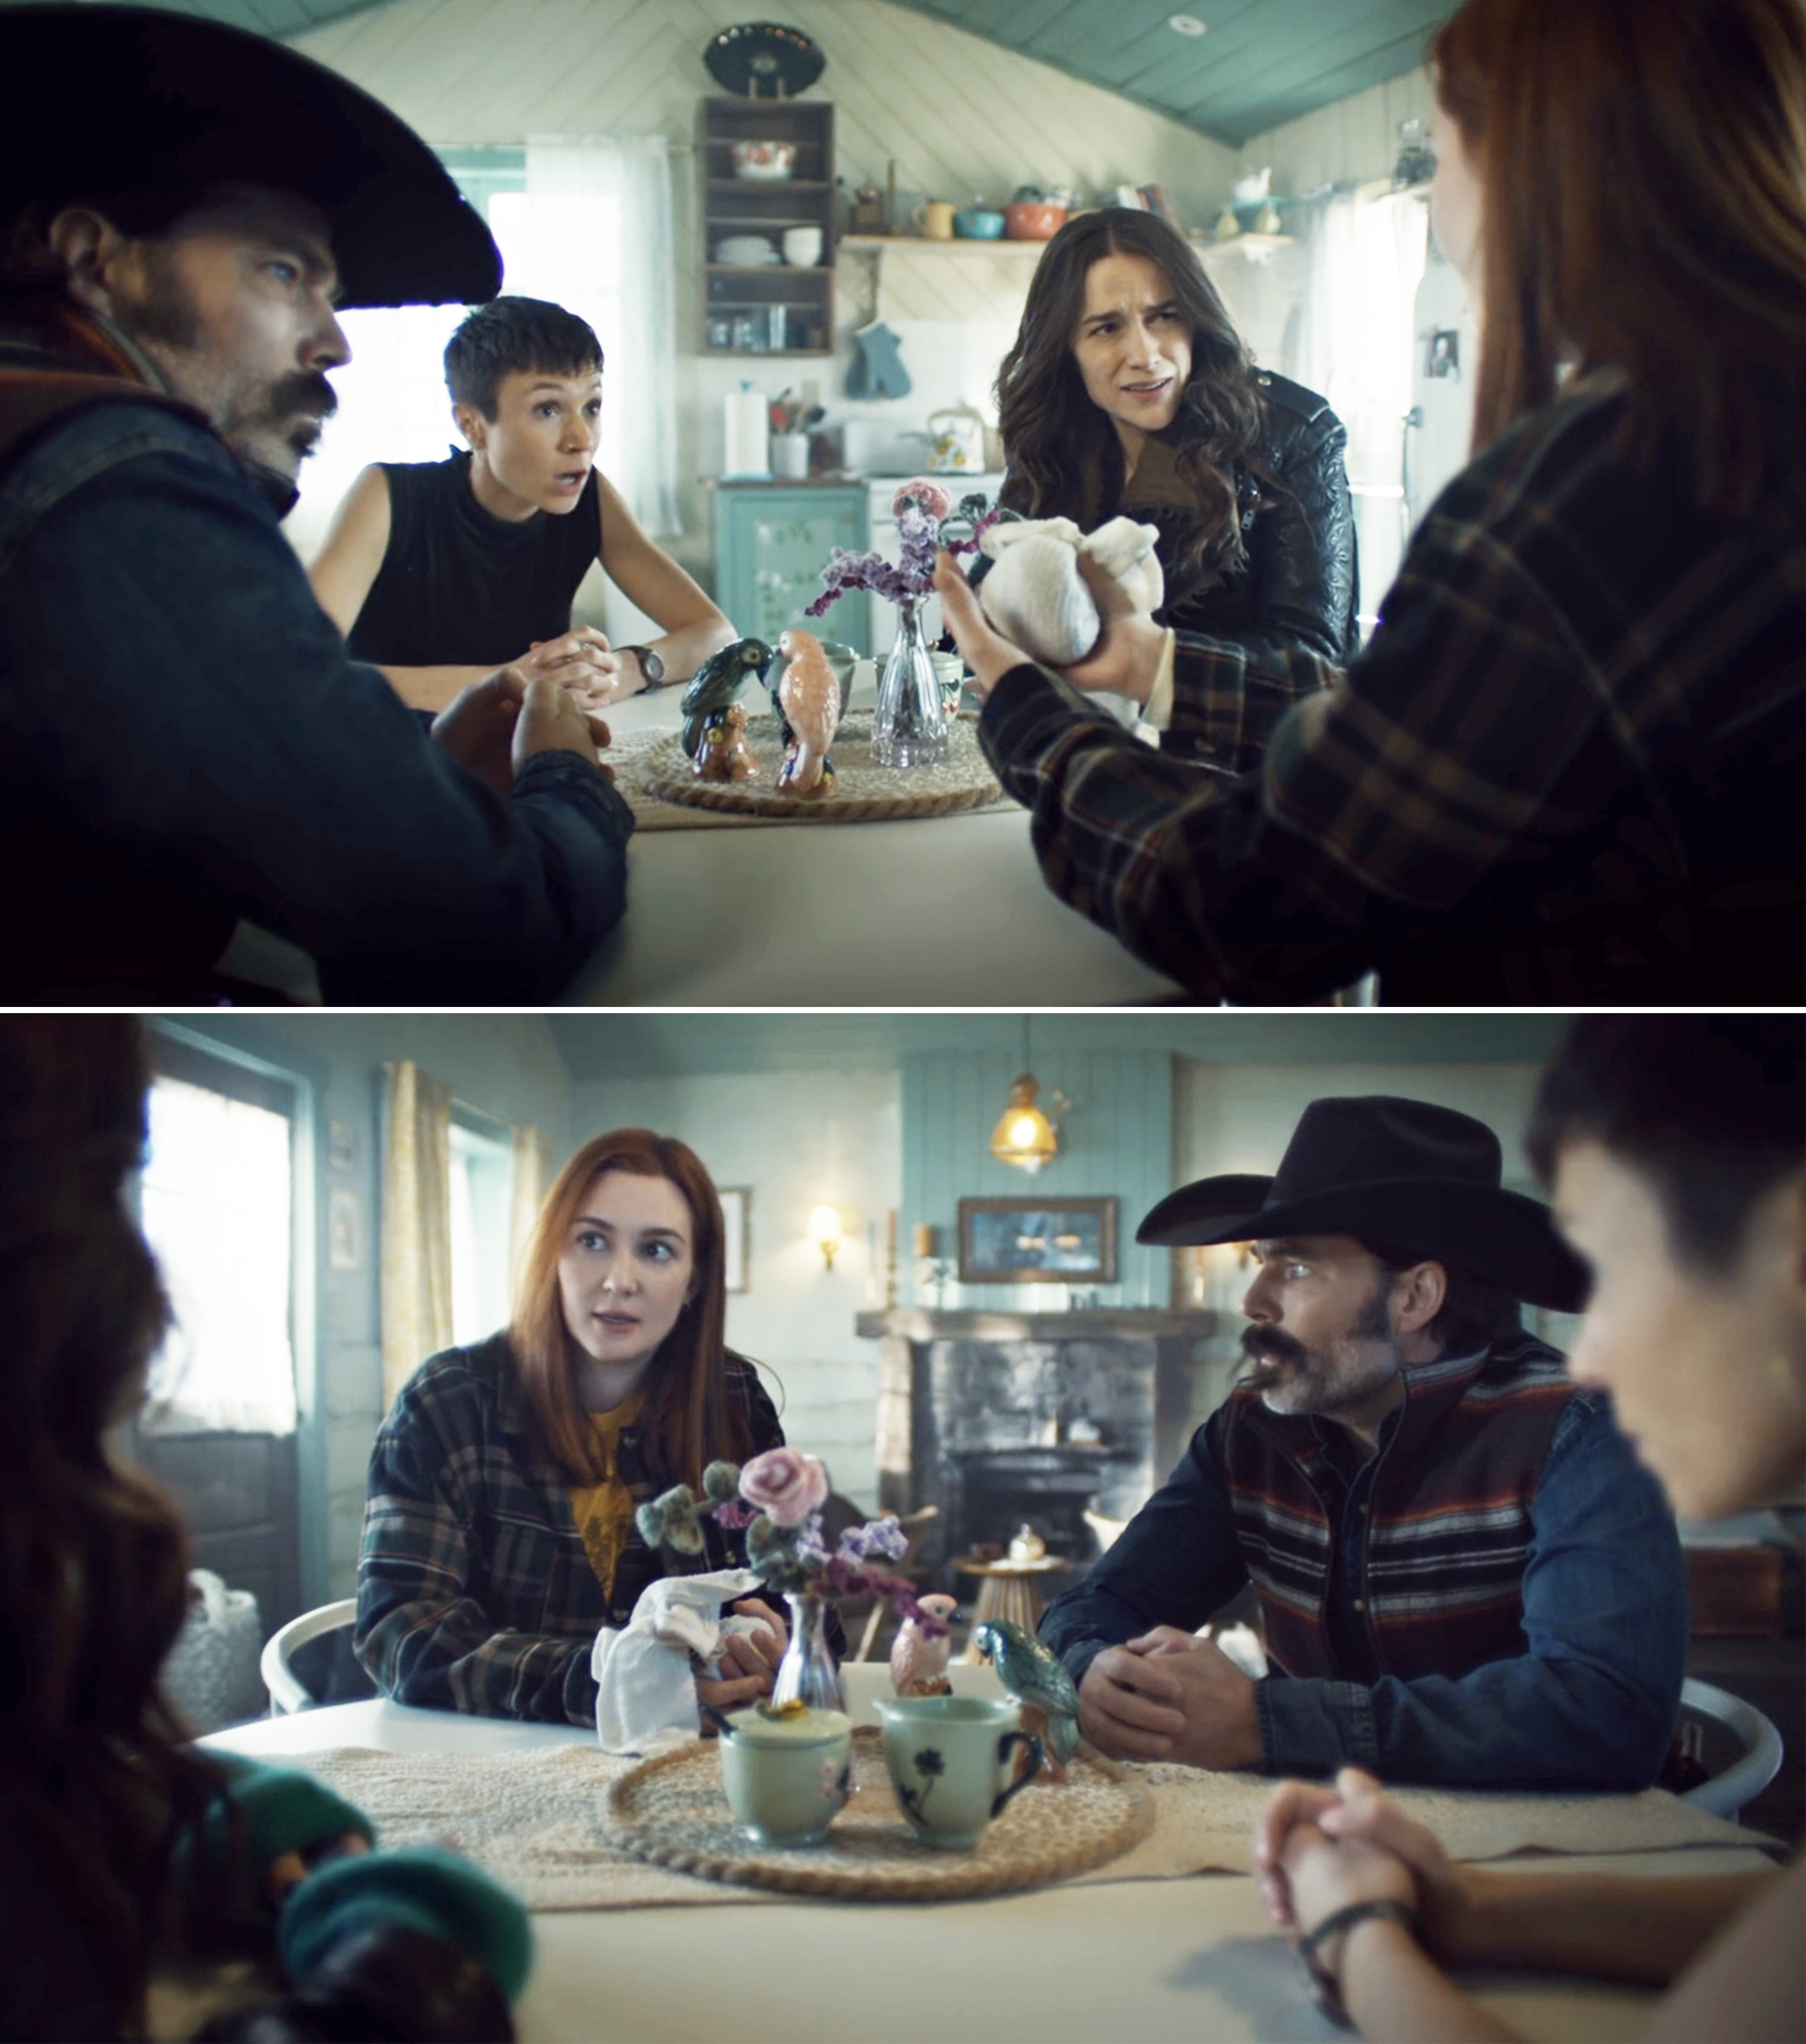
655,775
534,1821
672,1811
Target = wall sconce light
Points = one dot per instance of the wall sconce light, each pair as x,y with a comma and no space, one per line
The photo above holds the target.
1024,1135
824,1230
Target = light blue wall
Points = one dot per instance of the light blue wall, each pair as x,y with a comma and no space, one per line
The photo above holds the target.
1117,1138
507,1066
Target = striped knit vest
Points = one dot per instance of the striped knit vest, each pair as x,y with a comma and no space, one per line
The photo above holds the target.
1449,1529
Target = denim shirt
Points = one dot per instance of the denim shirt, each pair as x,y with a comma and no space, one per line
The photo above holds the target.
1590,1703
184,741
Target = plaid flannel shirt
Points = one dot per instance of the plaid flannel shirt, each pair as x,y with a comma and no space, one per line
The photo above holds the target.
1566,769
474,1592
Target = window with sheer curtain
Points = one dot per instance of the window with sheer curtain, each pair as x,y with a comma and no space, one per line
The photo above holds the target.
1356,347
216,1203
586,225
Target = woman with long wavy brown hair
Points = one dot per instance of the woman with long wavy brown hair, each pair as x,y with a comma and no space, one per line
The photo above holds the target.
1565,770
93,1562
1129,391
499,1535
119,1845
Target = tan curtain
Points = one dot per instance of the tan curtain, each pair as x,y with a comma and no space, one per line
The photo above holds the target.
531,1181
416,1225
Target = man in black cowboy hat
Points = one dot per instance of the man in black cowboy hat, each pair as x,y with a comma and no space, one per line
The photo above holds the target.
184,742
1463,1573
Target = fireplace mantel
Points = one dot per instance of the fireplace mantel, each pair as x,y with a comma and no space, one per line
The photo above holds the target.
994,1416
989,1324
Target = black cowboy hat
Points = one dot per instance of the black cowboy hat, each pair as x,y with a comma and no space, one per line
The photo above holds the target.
109,100
1396,1171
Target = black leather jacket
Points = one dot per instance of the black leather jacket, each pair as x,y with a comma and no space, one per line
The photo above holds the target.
1301,586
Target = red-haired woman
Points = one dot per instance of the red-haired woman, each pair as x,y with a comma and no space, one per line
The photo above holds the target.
499,1534
1565,768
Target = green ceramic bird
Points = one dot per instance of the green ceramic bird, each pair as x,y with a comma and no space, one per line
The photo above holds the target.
1039,1683
716,682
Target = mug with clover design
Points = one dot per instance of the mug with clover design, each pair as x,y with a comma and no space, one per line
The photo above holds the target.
950,1759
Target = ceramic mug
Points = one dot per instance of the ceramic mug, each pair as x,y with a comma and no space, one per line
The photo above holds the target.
790,456
934,220
950,1759
844,660
787,1777
802,246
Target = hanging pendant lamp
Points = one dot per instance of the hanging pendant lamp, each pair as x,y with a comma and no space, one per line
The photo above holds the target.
1024,1135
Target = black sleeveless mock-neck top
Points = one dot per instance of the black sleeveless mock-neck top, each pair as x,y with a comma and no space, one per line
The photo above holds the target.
459,586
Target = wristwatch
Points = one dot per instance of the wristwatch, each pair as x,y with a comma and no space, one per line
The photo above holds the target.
651,666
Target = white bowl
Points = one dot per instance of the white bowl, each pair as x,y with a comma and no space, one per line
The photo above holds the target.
769,160
746,250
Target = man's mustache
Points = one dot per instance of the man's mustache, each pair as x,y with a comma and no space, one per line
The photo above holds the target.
1258,1343
304,390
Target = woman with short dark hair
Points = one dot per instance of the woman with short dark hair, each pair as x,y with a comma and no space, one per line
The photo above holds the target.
1128,391
499,1535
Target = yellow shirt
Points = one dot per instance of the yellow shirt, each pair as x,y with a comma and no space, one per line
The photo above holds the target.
603,1511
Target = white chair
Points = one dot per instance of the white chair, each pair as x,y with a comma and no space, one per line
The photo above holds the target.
1725,1794
287,1691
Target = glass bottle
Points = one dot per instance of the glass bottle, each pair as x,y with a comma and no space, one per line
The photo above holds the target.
909,729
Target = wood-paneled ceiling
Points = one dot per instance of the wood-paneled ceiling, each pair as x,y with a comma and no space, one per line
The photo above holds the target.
1260,62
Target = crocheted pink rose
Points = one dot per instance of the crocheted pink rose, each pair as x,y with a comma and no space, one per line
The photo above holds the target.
785,1484
930,496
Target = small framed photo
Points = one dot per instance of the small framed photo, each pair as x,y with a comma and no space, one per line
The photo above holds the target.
735,1201
344,1229
1037,1241
341,1146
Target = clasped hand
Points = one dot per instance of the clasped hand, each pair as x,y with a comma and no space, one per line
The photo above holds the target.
1317,1850
581,661
1170,1696
497,724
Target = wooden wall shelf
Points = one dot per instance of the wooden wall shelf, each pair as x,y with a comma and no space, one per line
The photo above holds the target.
775,309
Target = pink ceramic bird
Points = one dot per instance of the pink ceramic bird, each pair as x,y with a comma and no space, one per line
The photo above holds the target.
918,1663
808,698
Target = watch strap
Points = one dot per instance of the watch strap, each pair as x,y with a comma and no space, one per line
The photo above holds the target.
650,665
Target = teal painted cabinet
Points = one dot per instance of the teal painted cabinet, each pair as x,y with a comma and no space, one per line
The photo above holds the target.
770,547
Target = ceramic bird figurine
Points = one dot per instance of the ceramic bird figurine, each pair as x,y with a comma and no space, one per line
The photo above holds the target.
716,682
918,1663
808,701
1039,1683
722,753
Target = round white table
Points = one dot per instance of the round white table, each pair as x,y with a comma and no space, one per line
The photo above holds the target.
939,912
1194,1961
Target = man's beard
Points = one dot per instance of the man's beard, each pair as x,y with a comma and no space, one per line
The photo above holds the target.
1318,1380
283,418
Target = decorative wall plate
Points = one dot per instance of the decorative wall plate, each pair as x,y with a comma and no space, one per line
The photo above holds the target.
764,60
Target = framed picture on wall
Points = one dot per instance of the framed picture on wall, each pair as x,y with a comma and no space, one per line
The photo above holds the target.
735,1200
1037,1241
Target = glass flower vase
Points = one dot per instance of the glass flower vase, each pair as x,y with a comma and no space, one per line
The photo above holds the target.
909,729
808,1671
